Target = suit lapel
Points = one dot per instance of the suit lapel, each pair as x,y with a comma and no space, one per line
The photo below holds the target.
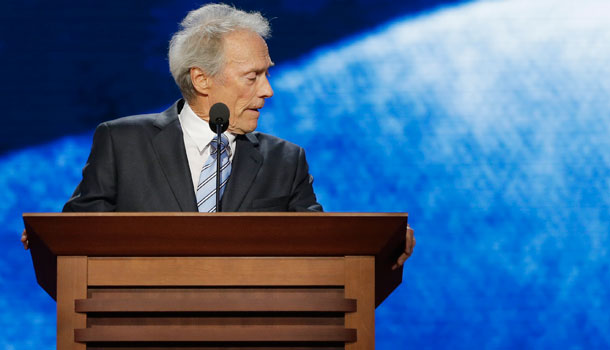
169,146
244,168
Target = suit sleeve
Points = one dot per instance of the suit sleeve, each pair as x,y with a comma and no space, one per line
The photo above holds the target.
303,197
97,190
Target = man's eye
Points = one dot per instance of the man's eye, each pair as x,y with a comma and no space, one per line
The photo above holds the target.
251,77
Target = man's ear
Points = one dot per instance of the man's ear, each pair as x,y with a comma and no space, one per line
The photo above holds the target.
201,81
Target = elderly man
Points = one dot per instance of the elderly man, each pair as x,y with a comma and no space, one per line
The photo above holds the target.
163,162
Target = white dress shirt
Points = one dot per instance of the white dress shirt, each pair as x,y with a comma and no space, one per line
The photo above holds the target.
197,137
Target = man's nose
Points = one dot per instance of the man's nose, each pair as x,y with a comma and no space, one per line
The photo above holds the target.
265,90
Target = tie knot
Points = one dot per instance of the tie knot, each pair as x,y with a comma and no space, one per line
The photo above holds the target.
224,144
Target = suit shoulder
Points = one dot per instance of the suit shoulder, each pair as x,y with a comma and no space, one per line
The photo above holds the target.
159,120
138,120
142,124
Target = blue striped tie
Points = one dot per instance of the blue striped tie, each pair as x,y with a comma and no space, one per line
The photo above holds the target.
206,190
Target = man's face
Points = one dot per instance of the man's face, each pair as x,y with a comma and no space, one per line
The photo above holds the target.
243,84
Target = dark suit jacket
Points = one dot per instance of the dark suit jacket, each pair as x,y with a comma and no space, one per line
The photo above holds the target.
139,163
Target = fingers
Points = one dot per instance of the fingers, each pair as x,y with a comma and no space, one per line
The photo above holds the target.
410,241
401,261
24,240
409,245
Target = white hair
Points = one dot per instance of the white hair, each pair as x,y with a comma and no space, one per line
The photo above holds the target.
199,41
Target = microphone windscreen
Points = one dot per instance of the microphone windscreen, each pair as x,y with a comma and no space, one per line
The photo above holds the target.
219,115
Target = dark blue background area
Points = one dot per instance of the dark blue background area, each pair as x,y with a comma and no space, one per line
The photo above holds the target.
68,65
487,121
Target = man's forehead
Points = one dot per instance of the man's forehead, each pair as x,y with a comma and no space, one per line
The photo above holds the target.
247,49
241,42
251,65
252,59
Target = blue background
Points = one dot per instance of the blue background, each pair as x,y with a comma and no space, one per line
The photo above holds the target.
487,121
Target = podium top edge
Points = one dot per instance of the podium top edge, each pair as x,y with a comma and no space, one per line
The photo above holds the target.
231,214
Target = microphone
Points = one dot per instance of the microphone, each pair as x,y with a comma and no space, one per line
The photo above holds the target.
219,117
219,123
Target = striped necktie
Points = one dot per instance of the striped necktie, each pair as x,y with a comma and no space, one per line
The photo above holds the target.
206,189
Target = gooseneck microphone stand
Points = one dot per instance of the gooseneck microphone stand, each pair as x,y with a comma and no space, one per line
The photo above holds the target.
219,123
218,151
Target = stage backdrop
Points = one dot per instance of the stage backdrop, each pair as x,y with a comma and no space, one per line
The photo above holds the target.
487,121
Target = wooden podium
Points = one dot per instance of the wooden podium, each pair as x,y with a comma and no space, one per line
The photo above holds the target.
216,281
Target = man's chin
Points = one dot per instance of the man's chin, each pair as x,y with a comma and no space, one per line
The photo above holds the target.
245,123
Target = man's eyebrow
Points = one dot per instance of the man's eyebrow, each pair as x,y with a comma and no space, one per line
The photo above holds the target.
271,64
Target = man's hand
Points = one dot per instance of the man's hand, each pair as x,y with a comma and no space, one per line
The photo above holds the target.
24,240
410,244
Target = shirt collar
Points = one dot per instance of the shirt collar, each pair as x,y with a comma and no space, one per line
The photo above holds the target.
198,129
